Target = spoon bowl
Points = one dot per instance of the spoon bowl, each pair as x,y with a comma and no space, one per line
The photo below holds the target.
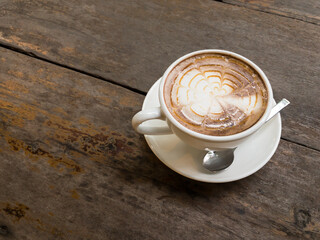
218,160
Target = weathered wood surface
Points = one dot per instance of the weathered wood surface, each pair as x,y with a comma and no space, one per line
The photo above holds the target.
133,42
308,11
71,167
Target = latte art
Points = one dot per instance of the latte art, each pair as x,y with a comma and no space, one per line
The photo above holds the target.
215,94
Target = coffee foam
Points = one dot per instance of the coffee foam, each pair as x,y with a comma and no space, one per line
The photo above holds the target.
215,94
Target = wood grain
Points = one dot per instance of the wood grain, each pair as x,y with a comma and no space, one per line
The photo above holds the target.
308,11
133,42
71,167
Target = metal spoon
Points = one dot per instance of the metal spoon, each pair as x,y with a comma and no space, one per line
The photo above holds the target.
219,160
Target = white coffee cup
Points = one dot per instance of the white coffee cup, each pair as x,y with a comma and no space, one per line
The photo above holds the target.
195,139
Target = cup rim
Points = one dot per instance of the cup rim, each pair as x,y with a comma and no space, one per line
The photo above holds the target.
206,137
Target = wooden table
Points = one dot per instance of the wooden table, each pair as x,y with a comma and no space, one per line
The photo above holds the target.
72,75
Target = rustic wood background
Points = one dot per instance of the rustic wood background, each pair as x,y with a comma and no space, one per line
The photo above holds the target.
72,75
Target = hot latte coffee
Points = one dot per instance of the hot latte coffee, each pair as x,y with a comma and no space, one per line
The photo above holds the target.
215,94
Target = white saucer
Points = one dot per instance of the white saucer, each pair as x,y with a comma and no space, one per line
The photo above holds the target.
187,161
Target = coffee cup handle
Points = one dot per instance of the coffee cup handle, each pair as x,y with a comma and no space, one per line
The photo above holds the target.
149,114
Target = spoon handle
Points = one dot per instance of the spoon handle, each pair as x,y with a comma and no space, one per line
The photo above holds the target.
277,108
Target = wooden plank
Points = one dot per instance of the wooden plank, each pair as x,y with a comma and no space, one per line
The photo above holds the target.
308,11
71,167
133,42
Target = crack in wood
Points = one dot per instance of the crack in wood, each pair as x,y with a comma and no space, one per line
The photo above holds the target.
31,54
295,17
300,144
